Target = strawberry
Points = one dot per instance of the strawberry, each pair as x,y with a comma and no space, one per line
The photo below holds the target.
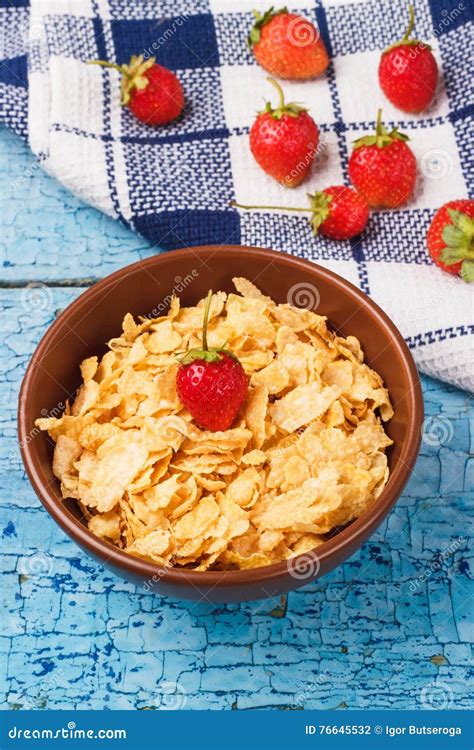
287,45
337,212
408,72
151,92
450,238
284,141
211,383
383,168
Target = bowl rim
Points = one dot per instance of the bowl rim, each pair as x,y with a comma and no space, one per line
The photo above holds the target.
352,536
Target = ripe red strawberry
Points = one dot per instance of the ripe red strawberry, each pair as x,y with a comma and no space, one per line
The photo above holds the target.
408,72
450,238
211,383
383,168
284,141
152,92
287,45
337,212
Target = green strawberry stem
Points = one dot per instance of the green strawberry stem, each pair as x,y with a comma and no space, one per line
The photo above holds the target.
281,96
106,64
382,137
379,124
405,40
292,109
411,23
206,320
318,208
133,74
276,208
212,354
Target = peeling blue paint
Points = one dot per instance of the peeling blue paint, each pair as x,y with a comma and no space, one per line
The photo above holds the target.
75,636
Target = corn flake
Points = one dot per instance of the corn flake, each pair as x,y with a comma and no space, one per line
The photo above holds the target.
306,455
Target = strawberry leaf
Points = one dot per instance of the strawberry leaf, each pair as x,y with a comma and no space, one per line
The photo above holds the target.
208,355
319,204
292,110
395,135
261,19
381,137
453,215
452,236
451,255
459,240
407,43
467,271
133,76
466,225
459,235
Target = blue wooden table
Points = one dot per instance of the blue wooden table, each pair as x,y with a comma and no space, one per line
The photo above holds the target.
388,629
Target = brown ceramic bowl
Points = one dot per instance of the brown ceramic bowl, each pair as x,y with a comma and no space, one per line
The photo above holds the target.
96,316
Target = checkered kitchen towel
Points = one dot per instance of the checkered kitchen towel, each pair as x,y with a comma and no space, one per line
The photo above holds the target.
173,184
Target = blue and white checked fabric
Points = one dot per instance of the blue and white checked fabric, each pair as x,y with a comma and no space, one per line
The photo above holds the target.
173,184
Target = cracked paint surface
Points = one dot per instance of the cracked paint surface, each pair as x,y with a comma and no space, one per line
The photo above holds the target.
391,628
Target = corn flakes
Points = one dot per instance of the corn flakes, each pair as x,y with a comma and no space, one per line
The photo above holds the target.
305,455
